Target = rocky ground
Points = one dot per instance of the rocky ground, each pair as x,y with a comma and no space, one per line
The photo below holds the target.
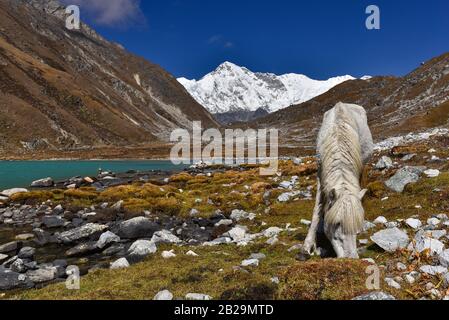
228,233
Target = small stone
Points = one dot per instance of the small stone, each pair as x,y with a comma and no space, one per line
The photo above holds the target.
432,173
368,226
9,247
258,256
430,286
121,263
275,280
384,163
390,225
117,206
433,222
409,279
413,223
10,192
380,220
58,210
369,260
198,296
18,266
272,241
25,237
446,280
238,233
401,267
444,258
191,253
375,296
194,212
82,249
168,254
106,239
423,243
250,263
224,222
434,270
392,283
3,257
409,157
26,253
238,215
163,295
272,232
165,236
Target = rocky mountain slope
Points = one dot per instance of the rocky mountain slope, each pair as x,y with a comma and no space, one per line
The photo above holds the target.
395,106
236,92
63,90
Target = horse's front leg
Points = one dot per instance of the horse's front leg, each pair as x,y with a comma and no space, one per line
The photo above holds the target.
309,246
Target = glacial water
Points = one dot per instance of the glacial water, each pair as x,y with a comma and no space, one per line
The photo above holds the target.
21,173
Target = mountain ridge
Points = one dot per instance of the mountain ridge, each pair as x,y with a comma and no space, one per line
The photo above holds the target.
396,106
232,89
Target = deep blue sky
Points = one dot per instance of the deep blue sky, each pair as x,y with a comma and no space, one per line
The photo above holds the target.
320,38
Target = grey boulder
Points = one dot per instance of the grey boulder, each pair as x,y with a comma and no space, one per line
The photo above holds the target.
10,280
42,275
9,247
403,177
135,228
140,249
87,231
53,221
391,239
43,183
26,253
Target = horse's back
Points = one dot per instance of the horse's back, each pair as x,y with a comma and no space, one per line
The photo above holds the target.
359,119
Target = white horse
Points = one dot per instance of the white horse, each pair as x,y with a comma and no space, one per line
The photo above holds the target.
345,145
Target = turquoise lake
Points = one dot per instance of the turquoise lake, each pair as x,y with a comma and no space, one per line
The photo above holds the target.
21,173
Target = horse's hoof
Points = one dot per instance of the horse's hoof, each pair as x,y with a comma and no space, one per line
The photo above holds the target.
303,256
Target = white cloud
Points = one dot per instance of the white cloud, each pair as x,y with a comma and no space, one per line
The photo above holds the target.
110,12
218,39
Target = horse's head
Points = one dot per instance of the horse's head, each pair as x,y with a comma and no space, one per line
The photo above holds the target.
345,208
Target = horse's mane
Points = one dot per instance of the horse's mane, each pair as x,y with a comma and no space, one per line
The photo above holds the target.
341,169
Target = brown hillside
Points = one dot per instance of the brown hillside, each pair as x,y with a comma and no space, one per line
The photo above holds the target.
64,91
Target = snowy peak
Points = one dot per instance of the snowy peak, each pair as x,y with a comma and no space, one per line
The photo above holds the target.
231,88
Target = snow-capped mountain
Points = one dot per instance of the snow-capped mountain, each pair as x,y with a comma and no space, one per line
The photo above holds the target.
231,89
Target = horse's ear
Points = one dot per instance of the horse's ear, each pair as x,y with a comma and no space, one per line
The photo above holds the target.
362,194
332,196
